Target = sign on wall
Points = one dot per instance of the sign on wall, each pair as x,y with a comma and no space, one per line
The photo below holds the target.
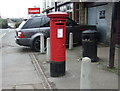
102,14
33,10
60,33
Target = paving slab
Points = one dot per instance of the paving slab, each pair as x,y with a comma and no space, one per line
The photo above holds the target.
101,77
24,87
18,69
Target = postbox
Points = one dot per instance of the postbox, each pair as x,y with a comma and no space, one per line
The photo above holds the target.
57,43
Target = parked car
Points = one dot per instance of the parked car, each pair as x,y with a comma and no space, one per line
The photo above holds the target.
29,31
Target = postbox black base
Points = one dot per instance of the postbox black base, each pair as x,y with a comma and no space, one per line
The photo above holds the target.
57,68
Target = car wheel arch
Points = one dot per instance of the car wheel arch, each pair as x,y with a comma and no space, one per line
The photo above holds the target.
35,37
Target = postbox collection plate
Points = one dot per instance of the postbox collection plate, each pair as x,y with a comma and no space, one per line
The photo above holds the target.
59,33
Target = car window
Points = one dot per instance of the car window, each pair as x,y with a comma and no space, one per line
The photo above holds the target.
22,24
70,22
32,23
46,24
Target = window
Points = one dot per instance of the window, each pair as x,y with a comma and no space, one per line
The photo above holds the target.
46,25
45,22
70,22
77,5
32,23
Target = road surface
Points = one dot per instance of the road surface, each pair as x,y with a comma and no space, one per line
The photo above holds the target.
18,71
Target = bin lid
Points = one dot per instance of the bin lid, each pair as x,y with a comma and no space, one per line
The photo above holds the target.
57,14
89,32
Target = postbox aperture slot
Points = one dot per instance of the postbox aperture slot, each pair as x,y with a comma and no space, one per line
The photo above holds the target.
59,23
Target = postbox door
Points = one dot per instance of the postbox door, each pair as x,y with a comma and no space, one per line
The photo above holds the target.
58,36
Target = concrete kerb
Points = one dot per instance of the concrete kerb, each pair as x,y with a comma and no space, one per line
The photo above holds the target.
45,82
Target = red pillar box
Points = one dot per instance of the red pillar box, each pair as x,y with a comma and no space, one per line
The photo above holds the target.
57,43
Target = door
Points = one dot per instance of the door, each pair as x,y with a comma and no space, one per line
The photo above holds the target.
97,16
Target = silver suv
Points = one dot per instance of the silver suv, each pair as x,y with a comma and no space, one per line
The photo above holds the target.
29,31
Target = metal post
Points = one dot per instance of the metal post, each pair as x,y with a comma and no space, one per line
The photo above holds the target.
41,43
85,73
48,49
113,33
71,41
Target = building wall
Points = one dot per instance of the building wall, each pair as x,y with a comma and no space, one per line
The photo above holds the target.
44,4
118,25
48,3
104,30
73,13
109,19
82,14
79,14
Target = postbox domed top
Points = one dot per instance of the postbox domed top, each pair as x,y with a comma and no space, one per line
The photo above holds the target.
57,14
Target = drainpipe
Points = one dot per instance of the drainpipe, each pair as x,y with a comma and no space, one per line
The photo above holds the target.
113,34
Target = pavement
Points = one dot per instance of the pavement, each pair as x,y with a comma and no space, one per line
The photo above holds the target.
101,76
21,71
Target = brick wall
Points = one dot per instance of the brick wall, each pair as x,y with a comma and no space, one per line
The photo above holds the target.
82,13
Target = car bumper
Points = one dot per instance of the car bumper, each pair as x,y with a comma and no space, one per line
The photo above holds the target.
22,41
